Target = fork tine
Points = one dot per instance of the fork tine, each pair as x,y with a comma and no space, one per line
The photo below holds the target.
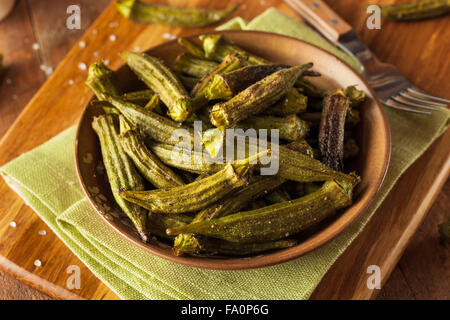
412,98
423,95
393,105
403,101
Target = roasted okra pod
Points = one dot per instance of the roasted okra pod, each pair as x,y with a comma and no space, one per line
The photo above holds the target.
289,128
332,126
191,197
192,48
184,244
101,80
256,98
147,163
277,221
122,174
293,103
192,66
160,79
423,9
171,16
357,97
155,126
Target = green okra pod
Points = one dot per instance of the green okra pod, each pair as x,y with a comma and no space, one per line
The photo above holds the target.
289,128
159,223
301,146
293,103
144,98
292,165
160,79
192,48
147,163
188,82
257,98
423,9
277,196
258,186
122,174
309,89
217,48
192,66
357,97
102,80
191,197
171,16
155,126
200,91
199,245
226,85
332,129
277,221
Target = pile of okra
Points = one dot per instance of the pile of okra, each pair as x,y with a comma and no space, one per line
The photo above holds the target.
228,208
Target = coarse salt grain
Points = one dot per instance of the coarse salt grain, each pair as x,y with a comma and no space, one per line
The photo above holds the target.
13,224
47,69
35,46
169,36
96,54
106,62
82,66
8,81
112,37
42,232
37,263
82,44
137,48
71,82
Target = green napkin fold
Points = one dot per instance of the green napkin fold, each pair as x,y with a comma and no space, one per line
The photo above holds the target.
46,179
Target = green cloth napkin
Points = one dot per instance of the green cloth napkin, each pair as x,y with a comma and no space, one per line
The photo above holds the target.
45,178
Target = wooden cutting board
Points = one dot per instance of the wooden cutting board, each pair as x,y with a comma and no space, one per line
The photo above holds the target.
58,105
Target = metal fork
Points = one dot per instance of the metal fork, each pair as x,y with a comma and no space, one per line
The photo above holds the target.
392,88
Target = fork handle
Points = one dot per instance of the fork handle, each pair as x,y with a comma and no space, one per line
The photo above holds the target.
322,17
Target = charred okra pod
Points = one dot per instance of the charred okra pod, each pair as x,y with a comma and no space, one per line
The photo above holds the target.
101,80
160,79
171,16
147,163
332,126
192,66
122,174
156,127
289,128
199,245
423,9
277,221
191,197
256,98
217,48
226,85
200,91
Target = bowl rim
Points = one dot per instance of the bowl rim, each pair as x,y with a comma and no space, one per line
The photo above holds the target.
271,258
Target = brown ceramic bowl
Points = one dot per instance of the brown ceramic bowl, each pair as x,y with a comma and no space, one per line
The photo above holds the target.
374,140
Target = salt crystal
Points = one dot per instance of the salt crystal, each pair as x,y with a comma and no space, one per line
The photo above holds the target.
112,37
47,69
113,24
42,232
13,224
106,62
169,36
35,46
15,96
37,263
137,48
82,44
71,82
8,81
82,66
96,54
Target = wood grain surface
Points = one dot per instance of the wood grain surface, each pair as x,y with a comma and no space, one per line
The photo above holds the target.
418,49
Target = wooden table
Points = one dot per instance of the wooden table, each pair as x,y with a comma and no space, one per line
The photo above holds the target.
420,274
